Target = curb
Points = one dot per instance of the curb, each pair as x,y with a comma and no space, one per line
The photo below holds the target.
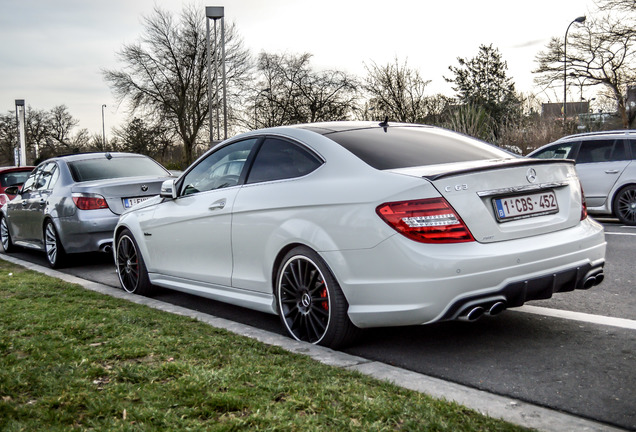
492,405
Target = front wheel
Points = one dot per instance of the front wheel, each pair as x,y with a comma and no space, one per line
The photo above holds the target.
131,268
311,305
55,254
5,236
625,205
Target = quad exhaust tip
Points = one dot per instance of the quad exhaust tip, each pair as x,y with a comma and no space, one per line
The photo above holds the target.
473,313
593,280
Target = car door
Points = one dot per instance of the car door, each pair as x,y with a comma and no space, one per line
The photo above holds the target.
189,237
20,215
599,164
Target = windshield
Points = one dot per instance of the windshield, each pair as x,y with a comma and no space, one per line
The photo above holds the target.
116,167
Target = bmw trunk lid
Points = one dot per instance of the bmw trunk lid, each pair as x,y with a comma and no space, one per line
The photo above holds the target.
507,199
122,193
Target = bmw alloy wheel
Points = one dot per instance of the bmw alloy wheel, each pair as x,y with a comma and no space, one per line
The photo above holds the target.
5,237
52,246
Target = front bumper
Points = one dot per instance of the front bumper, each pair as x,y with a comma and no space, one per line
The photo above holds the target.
401,282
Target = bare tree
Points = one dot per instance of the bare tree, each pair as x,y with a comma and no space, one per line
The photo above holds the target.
289,91
398,92
600,53
165,74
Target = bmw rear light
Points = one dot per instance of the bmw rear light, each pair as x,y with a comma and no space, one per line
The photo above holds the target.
426,221
85,201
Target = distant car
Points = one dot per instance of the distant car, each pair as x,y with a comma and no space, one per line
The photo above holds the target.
12,176
335,226
606,165
71,204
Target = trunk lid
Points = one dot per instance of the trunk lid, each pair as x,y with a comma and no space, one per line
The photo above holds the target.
122,193
507,199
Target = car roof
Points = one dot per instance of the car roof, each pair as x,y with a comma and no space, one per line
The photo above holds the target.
609,134
324,128
97,155
15,168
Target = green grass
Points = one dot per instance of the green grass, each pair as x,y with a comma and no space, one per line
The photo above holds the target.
72,359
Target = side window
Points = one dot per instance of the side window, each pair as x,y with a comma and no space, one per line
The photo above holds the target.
218,170
48,175
595,151
278,159
632,144
29,183
557,151
619,153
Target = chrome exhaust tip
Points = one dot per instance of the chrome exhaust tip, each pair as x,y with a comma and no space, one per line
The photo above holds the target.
472,314
497,308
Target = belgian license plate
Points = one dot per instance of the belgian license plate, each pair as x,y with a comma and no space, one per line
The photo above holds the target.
129,202
523,206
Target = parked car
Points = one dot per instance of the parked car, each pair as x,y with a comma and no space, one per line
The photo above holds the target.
71,204
346,225
12,176
606,165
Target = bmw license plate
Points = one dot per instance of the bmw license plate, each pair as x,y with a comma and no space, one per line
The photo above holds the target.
524,206
129,202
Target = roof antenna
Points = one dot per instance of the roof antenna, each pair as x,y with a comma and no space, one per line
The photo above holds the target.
385,123
108,156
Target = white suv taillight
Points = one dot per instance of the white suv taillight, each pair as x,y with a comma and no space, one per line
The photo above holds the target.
426,221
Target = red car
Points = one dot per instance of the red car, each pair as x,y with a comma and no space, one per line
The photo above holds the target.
11,176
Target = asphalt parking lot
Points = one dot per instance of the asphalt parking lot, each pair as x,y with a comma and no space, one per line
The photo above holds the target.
575,353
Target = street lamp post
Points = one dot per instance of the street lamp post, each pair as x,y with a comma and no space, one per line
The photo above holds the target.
103,128
579,20
215,13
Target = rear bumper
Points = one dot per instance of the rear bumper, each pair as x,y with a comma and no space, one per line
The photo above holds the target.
88,231
401,282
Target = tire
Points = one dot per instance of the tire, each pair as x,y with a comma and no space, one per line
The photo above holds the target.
131,269
55,255
311,305
625,205
5,236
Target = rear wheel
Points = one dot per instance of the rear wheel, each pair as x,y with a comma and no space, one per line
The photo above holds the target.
625,205
131,268
311,305
5,236
55,254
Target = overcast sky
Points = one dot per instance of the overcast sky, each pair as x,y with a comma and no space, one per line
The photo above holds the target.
52,52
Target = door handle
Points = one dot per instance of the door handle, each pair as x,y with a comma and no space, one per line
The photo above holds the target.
218,205
24,203
611,171
42,203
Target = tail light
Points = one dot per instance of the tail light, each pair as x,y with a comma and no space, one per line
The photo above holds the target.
425,221
85,201
583,203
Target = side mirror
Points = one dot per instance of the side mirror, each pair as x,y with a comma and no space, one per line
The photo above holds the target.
12,190
168,189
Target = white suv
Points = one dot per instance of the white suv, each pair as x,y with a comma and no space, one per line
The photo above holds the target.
606,165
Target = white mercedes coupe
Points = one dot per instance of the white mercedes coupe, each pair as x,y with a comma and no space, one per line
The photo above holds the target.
348,225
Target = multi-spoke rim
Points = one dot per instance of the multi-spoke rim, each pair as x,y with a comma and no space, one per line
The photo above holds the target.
4,233
626,207
51,243
127,264
303,298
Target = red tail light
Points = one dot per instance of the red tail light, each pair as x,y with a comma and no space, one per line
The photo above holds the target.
583,203
89,201
426,221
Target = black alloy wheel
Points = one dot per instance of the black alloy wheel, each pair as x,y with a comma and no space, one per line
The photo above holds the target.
131,268
55,254
625,205
311,305
5,236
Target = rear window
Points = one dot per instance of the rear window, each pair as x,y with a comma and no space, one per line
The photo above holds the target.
13,178
117,167
403,147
